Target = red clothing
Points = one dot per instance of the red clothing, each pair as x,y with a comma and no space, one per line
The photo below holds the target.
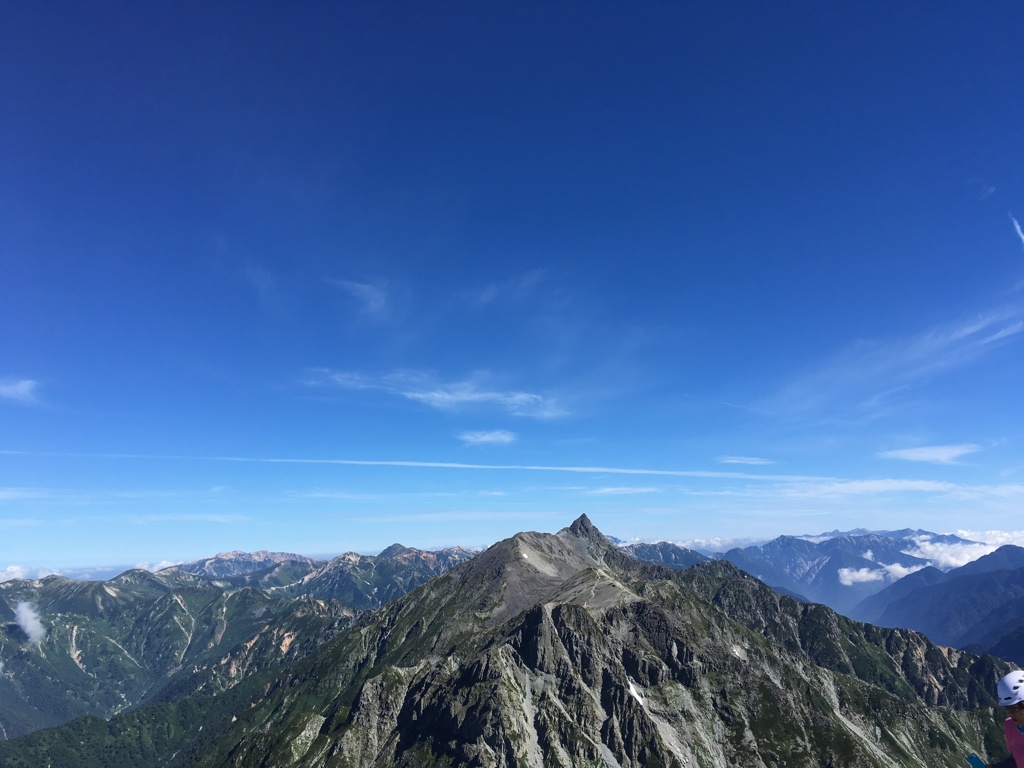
1014,740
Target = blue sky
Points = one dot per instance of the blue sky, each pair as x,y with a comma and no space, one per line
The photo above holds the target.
321,277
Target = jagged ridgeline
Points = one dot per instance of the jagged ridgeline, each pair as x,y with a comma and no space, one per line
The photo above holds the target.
561,650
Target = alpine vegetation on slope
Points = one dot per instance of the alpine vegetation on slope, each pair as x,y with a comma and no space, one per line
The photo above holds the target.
560,650
74,648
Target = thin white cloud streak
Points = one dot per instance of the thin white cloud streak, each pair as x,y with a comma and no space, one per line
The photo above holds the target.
422,388
782,488
30,622
621,491
870,373
727,403
197,518
264,283
1017,229
792,485
371,298
934,454
514,289
19,494
72,494
19,522
454,396
1004,333
522,467
752,460
492,437
841,488
19,390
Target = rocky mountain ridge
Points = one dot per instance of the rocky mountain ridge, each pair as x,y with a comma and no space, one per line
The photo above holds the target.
237,562
562,650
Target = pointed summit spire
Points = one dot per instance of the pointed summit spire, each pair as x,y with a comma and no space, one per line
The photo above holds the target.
584,529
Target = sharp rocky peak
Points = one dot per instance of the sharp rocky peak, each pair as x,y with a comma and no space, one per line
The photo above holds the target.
584,529
394,550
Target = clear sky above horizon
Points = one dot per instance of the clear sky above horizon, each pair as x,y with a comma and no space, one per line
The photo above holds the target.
320,277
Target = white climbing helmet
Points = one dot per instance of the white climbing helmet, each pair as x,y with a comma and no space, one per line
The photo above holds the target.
1011,689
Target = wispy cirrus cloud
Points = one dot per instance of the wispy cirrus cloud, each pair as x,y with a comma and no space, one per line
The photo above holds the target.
19,390
492,437
460,394
191,518
621,491
263,282
18,494
513,289
752,460
371,298
934,454
1017,229
833,489
449,396
868,375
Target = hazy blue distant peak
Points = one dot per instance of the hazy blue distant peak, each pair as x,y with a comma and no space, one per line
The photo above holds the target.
238,562
904,533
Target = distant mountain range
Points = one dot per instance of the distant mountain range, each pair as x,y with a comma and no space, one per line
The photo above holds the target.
107,646
545,650
359,581
839,568
238,563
